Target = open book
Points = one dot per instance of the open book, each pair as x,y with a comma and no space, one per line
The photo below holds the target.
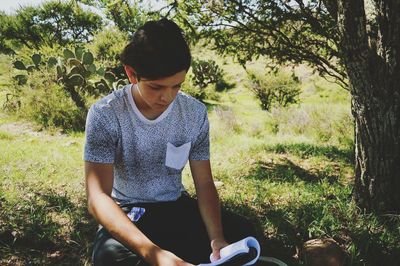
241,253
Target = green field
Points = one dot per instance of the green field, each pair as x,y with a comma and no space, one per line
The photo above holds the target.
289,170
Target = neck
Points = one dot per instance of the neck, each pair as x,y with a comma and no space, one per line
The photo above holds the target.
143,106
140,102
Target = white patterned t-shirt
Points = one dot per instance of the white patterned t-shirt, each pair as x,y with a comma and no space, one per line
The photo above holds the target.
148,155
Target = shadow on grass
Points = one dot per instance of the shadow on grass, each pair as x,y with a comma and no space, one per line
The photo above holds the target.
52,227
305,150
311,220
287,171
284,229
45,227
223,85
271,246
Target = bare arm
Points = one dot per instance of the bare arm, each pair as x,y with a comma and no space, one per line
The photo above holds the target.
209,204
99,182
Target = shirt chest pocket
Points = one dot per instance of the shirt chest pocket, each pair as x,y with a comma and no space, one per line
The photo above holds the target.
177,157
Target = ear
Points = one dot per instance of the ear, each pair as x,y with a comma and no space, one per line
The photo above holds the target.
131,73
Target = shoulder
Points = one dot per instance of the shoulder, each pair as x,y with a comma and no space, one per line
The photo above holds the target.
104,113
108,105
112,100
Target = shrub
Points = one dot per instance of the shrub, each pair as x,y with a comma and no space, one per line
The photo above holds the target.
74,73
323,122
205,79
199,93
46,103
206,72
108,44
278,89
196,92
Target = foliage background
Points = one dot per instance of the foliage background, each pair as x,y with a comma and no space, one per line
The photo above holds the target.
289,169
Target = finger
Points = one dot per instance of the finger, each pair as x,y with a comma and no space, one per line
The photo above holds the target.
216,254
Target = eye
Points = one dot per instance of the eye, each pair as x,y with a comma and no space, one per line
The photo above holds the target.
155,88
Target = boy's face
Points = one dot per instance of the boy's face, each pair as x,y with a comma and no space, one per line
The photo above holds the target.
158,94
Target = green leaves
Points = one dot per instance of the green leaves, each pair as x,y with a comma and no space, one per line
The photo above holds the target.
22,79
88,58
102,86
101,71
109,76
74,72
79,57
283,31
92,69
37,26
78,52
76,80
51,62
36,58
19,65
279,89
206,72
73,62
68,54
60,70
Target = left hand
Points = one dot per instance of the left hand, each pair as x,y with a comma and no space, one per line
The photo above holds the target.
216,245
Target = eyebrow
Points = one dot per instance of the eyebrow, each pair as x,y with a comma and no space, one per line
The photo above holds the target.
163,86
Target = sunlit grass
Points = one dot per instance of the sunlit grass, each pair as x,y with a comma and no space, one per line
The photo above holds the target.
289,170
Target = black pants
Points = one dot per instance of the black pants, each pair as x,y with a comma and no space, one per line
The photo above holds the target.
175,226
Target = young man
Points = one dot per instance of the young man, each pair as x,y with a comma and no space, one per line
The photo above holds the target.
138,139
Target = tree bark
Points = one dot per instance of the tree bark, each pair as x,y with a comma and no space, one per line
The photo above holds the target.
377,165
374,75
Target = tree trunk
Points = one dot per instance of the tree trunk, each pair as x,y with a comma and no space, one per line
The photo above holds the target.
377,165
374,73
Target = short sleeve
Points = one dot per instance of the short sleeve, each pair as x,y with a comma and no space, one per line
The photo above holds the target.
201,146
101,140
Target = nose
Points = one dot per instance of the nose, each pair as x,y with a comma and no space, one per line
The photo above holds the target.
167,95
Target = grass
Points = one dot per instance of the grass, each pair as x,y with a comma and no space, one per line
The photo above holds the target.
43,218
293,179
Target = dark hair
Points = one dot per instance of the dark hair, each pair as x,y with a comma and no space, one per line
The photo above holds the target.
157,49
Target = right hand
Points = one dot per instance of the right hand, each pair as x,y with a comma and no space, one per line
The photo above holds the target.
216,245
165,258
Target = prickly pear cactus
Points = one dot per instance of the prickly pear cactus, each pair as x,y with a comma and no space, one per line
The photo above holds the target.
18,64
76,72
